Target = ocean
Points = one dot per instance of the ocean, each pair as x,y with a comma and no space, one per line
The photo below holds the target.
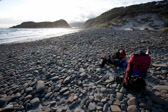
17,35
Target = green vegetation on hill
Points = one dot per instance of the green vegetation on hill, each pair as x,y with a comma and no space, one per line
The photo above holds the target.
115,16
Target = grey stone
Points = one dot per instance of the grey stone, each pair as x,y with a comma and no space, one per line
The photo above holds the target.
55,78
164,71
57,88
114,85
67,80
99,108
115,108
129,96
7,99
123,107
144,105
81,70
9,107
83,74
91,98
123,90
132,108
117,102
66,93
160,65
98,70
27,97
132,101
78,110
92,106
17,95
119,96
48,95
35,102
103,89
52,103
29,89
40,86
63,90
70,99
104,100
105,107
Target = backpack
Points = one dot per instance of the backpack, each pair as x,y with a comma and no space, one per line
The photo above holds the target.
137,66
135,84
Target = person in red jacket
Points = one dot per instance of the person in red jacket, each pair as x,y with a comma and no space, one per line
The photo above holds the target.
137,66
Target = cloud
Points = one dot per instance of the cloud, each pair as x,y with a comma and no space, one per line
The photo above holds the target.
8,22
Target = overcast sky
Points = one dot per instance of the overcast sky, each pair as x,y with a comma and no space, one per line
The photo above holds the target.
14,12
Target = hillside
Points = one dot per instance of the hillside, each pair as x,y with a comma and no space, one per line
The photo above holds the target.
151,15
57,24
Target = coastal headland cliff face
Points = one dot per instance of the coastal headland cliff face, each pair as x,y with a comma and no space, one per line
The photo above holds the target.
152,16
57,24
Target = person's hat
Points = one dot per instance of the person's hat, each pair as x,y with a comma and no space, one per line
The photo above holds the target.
122,52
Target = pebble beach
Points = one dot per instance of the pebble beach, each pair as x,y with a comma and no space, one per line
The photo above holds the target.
61,74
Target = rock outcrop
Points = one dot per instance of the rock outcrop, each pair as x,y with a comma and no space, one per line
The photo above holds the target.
57,24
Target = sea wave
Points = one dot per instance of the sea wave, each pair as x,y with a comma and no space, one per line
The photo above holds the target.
10,35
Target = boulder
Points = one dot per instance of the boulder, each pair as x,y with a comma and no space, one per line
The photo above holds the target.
105,107
119,96
115,108
35,102
92,106
132,101
132,108
40,86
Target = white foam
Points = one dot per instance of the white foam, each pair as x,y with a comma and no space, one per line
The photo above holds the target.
13,35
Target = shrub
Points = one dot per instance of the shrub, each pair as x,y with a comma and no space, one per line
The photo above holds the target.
166,24
146,28
163,30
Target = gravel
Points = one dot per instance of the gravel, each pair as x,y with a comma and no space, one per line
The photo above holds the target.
62,73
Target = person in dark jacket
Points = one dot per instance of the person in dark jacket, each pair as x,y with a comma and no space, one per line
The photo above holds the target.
118,59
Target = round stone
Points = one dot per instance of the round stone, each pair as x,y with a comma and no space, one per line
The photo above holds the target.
132,108
35,102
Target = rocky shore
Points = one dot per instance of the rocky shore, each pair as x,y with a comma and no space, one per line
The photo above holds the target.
61,74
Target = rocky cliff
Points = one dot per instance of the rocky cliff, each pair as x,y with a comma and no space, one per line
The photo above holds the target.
57,24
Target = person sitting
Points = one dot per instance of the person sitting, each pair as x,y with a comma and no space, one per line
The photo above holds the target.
136,70
118,59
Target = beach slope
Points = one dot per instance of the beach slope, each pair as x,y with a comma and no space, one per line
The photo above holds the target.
61,74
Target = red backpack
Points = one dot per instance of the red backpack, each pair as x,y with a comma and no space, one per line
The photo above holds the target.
137,65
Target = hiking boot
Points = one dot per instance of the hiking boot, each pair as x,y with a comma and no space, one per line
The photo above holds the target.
101,65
